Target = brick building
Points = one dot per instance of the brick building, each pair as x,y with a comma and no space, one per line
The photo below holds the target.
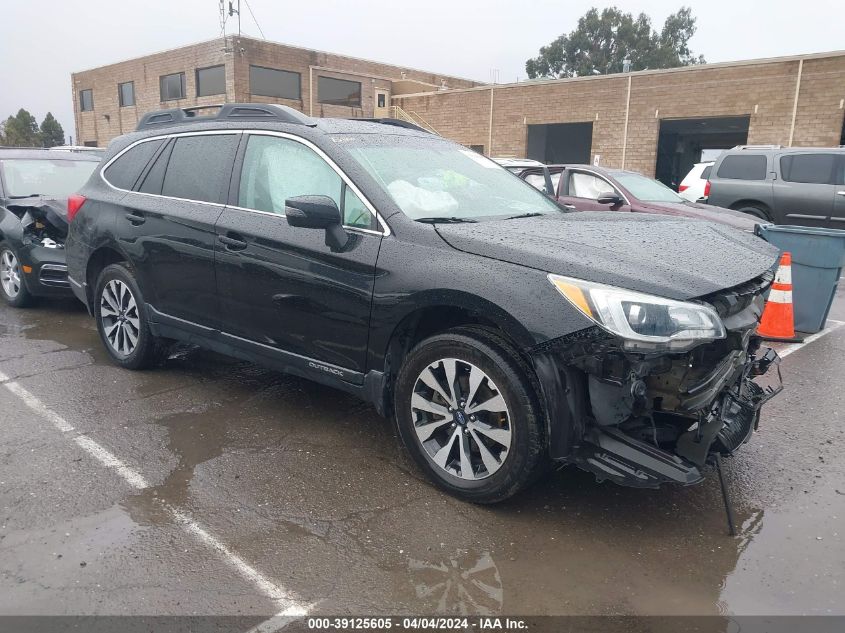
109,100
656,122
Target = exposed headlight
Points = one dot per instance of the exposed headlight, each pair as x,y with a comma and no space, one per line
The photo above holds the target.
644,322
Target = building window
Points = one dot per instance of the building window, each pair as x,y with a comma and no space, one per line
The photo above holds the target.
86,100
340,92
211,81
271,82
172,86
126,93
90,143
477,148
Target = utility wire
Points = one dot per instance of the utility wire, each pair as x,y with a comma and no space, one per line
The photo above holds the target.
254,20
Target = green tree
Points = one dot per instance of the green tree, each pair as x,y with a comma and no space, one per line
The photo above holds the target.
21,130
603,40
52,133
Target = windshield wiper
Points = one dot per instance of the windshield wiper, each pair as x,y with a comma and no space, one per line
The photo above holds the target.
452,220
533,214
29,195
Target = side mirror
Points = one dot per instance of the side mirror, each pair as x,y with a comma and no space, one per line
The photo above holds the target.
609,197
317,212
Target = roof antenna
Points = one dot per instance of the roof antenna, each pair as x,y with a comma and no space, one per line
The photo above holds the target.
234,11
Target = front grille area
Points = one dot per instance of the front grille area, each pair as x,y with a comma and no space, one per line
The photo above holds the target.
53,275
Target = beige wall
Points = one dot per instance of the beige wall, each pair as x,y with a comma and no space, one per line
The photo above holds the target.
108,120
763,90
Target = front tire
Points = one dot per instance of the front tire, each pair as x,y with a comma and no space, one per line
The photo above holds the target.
12,286
467,413
122,319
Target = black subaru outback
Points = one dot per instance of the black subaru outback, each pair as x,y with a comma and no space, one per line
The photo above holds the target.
498,330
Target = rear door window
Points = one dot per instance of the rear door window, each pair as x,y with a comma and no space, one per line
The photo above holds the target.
151,181
705,175
815,169
200,167
743,167
124,172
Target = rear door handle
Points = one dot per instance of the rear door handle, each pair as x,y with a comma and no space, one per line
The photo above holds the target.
136,218
570,207
840,193
232,243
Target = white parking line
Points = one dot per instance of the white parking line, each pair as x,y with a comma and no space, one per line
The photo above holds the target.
794,347
284,599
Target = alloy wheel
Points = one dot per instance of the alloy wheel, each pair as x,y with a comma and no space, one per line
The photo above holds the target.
119,315
461,419
10,274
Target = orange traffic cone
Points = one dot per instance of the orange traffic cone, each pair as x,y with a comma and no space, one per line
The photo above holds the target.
778,322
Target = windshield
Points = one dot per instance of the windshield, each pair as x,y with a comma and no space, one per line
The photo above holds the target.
437,179
49,178
647,189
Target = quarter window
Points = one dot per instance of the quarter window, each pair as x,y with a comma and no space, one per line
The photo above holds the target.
341,92
126,94
739,167
275,169
808,168
211,81
583,185
172,86
124,171
271,82
86,100
200,167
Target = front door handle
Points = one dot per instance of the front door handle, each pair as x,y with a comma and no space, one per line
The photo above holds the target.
135,218
840,193
232,243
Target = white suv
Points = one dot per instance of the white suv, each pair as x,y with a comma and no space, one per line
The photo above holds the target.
694,185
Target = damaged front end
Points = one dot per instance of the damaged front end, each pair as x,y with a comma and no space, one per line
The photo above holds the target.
41,240
652,416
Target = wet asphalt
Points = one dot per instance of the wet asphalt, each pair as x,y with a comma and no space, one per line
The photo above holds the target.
311,488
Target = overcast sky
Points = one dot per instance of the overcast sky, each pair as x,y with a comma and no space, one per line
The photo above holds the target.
43,41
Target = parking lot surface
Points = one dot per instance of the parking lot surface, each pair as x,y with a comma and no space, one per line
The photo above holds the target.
215,487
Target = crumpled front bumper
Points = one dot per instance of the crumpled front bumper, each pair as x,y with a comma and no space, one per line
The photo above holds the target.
727,404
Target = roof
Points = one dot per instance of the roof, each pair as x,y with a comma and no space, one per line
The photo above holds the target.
39,153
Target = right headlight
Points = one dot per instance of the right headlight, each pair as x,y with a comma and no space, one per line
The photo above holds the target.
644,322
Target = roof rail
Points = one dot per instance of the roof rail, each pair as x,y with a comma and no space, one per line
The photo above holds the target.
225,112
758,147
396,123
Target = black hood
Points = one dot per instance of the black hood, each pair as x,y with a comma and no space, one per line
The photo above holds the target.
50,210
670,257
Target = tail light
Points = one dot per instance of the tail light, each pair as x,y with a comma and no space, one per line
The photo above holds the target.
683,187
74,204
707,189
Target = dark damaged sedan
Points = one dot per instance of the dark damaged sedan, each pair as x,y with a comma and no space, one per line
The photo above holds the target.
34,187
499,331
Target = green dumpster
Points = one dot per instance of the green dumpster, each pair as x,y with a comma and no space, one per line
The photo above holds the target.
818,256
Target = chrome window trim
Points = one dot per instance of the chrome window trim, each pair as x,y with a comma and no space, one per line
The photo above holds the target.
385,227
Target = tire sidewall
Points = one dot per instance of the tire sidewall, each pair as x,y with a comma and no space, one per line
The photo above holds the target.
757,212
526,444
140,356
24,297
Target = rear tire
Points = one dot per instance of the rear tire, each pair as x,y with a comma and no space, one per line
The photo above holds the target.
757,212
491,444
122,319
12,285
